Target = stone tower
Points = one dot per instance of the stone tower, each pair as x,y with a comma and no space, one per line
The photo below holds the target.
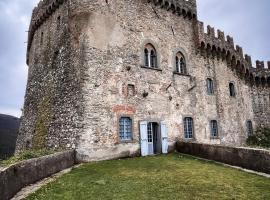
118,78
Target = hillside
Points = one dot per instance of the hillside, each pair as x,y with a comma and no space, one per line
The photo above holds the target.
9,127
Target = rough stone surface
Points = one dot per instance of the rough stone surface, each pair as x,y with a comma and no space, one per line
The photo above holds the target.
17,176
254,159
83,55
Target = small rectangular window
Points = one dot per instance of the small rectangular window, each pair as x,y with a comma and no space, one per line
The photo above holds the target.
131,90
125,128
249,128
214,128
188,128
210,86
232,90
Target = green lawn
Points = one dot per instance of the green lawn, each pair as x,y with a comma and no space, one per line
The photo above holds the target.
173,176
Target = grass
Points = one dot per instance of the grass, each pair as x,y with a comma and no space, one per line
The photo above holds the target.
171,177
25,155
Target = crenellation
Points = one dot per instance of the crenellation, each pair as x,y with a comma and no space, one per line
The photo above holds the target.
239,50
248,59
268,64
221,35
211,32
259,64
230,41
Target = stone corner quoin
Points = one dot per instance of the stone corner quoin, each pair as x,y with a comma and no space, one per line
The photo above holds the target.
120,78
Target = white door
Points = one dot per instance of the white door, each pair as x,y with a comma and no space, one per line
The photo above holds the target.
164,138
144,139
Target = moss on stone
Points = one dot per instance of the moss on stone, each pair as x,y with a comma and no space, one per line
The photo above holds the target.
44,117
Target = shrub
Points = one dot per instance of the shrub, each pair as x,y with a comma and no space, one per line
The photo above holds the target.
261,138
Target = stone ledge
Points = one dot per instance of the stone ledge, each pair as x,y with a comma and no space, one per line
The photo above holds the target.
253,159
19,175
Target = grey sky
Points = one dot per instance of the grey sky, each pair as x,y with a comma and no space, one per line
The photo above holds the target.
246,20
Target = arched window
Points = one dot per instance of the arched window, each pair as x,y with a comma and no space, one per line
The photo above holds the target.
214,128
232,90
188,128
210,86
249,128
125,128
150,56
180,63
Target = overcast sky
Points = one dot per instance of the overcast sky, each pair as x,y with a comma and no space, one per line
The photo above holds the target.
246,20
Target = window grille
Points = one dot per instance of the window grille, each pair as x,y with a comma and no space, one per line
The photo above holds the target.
210,86
125,129
150,132
214,128
188,127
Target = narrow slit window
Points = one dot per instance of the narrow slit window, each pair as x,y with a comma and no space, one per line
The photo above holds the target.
249,128
41,38
232,90
210,86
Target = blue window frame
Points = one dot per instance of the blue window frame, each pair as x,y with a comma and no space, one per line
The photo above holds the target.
214,128
125,129
188,128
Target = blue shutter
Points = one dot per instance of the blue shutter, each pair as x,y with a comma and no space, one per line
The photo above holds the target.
164,138
144,139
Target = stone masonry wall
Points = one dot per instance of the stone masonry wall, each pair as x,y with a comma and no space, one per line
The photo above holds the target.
52,107
80,68
114,35
253,159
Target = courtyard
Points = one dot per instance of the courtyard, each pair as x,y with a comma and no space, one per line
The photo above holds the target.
173,176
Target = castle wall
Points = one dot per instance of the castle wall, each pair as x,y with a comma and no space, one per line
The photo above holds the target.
261,105
51,110
81,71
114,35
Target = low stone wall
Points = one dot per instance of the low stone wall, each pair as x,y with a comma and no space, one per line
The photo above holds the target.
17,176
254,159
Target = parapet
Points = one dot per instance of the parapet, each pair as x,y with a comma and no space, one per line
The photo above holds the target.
217,46
179,7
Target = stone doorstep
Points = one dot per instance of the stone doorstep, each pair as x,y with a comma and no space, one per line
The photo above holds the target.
26,191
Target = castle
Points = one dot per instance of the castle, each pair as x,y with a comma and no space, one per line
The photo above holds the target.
115,78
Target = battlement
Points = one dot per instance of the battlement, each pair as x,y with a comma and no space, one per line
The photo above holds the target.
179,7
214,43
